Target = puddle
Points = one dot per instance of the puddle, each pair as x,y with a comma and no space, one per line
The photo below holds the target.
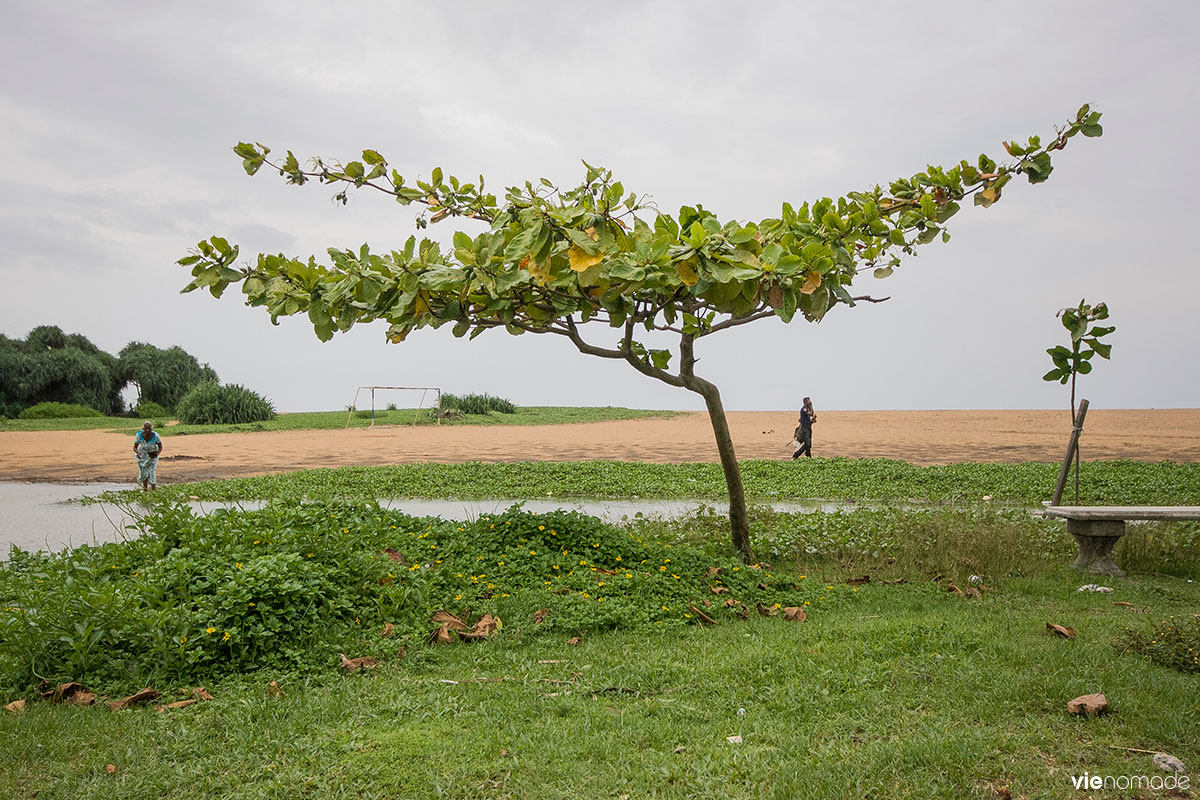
40,516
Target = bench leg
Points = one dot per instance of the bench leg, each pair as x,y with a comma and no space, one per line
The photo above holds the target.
1096,539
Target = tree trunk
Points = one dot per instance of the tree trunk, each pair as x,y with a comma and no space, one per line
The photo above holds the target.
739,521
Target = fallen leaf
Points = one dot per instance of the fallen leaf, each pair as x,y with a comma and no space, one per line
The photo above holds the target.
175,705
679,749
452,620
137,698
504,754
75,693
712,572
858,581
762,587
730,602
111,769
734,739
718,589
701,615
973,592
794,614
396,556
950,587
1090,704
766,612
442,635
743,612
1124,603
355,664
401,653
485,627
1168,763
200,693
273,690
574,640
540,615
895,582
388,630
16,706
552,661
1061,630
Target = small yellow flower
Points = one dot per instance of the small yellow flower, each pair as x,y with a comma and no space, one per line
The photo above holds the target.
458,596
183,640
226,637
252,604
345,530
541,527
210,630
237,565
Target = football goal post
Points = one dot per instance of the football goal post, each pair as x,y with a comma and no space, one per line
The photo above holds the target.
424,390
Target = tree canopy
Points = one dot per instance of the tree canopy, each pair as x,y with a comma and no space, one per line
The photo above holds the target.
162,376
551,260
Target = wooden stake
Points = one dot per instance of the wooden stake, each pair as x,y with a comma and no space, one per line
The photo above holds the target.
1072,445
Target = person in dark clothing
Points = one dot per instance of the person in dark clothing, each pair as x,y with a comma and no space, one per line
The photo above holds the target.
804,432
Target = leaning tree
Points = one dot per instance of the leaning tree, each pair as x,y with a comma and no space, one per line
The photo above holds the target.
554,260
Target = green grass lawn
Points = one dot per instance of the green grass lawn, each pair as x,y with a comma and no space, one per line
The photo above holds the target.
337,420
903,691
891,688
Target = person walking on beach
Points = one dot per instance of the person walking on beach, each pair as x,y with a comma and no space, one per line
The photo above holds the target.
147,445
804,431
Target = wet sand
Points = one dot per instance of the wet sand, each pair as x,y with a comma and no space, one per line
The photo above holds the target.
920,437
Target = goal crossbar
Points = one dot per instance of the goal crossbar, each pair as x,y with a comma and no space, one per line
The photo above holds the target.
424,390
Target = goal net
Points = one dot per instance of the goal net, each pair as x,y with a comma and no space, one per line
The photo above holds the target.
415,399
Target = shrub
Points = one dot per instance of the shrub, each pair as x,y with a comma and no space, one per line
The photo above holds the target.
1174,642
150,410
212,404
477,403
58,411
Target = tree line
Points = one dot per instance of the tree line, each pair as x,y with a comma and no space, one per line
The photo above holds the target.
51,366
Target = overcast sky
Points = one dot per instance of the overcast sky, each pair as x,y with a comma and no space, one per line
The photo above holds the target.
116,122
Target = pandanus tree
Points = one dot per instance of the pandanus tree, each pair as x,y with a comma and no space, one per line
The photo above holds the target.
558,261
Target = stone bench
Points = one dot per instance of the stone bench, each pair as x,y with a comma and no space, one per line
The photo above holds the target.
1097,528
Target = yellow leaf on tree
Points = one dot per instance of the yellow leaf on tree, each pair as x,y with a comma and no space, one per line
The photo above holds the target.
811,283
687,273
580,260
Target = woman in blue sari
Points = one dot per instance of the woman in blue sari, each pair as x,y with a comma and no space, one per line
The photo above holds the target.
147,445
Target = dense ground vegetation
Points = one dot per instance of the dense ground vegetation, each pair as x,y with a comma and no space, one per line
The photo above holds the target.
840,479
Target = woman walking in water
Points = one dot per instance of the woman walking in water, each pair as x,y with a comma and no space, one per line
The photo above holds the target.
804,432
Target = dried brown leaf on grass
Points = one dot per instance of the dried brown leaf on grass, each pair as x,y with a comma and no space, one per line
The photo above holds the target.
273,690
712,572
175,705
858,581
701,615
395,555
794,614
574,640
355,664
388,631
540,615
454,621
950,587
74,693
766,612
1061,630
718,589
111,769
16,706
146,695
1089,704
200,693
973,592
484,627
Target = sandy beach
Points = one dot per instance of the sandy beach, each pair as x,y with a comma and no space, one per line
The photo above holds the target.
920,437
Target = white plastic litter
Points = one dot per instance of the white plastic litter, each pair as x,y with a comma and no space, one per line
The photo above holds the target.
1092,587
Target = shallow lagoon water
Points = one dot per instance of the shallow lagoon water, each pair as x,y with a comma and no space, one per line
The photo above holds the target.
42,516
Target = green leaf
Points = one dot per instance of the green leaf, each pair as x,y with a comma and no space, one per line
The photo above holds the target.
660,358
896,236
883,272
1053,375
1092,130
